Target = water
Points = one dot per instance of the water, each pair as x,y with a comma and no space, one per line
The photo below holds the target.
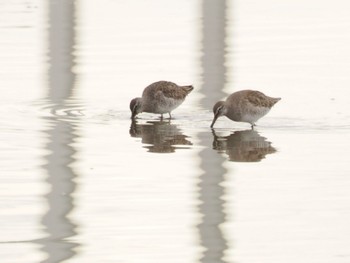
81,183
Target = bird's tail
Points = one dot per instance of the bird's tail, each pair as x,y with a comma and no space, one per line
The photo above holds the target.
188,89
275,100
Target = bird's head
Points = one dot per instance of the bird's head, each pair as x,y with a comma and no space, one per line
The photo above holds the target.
219,110
135,107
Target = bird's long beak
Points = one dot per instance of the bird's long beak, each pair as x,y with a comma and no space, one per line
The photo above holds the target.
216,116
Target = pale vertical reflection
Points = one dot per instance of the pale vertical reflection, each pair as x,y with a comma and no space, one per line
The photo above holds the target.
56,222
61,134
214,79
61,43
213,48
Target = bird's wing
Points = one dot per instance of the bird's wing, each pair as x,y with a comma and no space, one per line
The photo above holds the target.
173,91
259,99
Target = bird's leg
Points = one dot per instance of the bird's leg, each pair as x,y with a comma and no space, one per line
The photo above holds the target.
253,124
169,115
161,116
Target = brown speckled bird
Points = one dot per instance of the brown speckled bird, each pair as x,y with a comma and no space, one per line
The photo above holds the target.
244,106
160,97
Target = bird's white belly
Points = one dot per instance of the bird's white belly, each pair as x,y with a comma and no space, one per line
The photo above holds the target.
167,105
254,116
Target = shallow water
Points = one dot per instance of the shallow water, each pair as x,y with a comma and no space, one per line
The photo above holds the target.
80,182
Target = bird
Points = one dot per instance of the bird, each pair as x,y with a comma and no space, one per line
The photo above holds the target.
244,106
160,97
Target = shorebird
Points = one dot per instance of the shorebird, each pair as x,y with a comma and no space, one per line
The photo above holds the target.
159,97
244,106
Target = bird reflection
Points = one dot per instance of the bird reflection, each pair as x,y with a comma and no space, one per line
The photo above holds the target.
243,146
162,136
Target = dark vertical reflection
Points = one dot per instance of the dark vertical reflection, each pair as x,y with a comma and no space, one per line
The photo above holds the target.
61,135
214,79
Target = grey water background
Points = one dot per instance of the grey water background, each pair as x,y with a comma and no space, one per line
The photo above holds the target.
81,183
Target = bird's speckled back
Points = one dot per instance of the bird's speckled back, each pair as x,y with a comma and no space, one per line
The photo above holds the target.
164,96
248,102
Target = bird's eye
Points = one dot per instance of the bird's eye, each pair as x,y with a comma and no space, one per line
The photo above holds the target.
137,106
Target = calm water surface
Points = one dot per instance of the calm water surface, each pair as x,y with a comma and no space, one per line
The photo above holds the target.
80,182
